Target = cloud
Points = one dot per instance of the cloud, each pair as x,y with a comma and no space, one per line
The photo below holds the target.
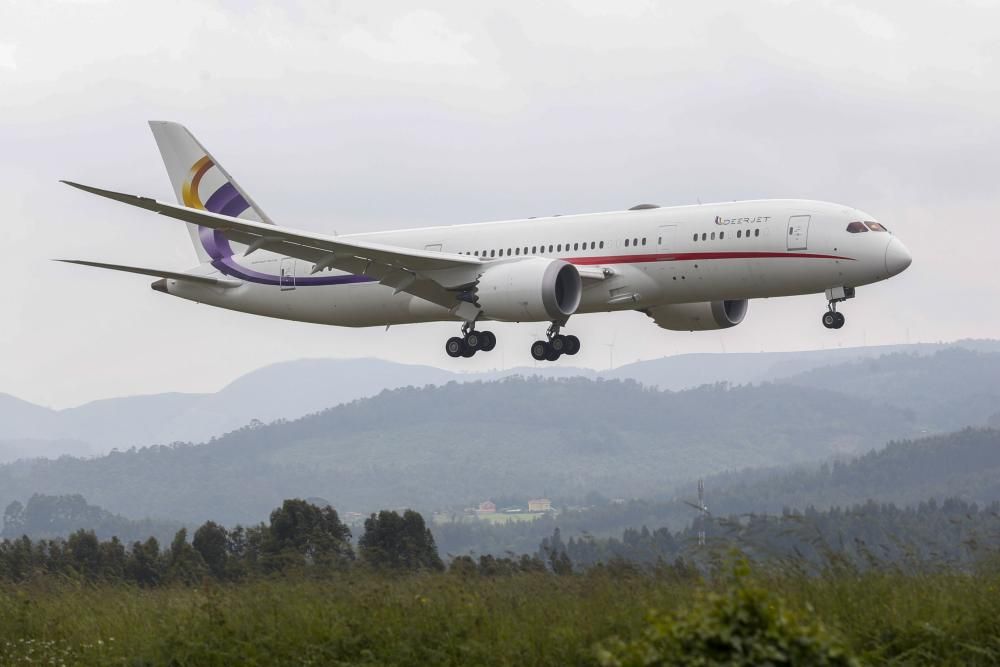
417,38
7,60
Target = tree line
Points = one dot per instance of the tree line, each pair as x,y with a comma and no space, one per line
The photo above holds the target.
952,534
299,537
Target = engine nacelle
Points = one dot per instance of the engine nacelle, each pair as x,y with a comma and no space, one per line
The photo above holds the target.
530,290
703,316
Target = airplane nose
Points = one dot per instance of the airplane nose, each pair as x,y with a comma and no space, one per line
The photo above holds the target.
897,257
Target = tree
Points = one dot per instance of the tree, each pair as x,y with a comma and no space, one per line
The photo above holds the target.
84,553
211,542
399,542
184,564
144,565
302,534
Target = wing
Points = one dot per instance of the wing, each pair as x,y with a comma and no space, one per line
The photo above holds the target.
438,277
157,273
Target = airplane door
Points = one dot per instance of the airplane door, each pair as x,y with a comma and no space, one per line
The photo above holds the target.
286,276
798,232
666,240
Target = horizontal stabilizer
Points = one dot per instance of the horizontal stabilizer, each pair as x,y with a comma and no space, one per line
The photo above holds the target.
157,273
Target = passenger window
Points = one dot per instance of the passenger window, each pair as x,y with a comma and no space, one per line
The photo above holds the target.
713,236
739,233
517,251
534,249
635,242
756,232
550,247
626,243
704,236
592,245
492,253
525,250
695,237
576,246
602,245
643,240
559,247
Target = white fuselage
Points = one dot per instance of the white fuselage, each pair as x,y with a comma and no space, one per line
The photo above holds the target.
656,256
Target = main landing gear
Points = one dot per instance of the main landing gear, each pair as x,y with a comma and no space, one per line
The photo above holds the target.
470,342
556,345
831,318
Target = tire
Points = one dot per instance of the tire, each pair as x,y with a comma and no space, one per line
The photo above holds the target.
489,341
540,350
839,320
454,347
572,345
474,340
829,319
468,351
553,354
558,344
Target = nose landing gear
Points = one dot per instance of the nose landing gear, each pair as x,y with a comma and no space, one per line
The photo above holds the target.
555,346
831,318
470,342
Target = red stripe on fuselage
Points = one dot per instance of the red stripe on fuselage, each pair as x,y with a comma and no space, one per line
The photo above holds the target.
689,256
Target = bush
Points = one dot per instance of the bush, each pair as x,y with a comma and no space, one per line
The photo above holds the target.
745,626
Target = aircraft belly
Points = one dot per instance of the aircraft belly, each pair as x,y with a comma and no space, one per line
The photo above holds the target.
352,305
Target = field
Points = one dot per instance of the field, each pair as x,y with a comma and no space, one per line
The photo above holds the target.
454,619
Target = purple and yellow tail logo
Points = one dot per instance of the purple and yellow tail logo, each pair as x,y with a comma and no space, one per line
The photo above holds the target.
225,201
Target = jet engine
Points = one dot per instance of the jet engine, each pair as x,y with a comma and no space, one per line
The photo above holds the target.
529,290
702,316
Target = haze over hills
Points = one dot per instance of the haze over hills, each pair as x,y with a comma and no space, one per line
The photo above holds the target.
441,446
294,389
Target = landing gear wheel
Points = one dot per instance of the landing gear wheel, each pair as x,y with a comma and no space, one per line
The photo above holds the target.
838,320
572,345
553,354
468,351
558,345
540,350
830,319
454,347
489,341
473,341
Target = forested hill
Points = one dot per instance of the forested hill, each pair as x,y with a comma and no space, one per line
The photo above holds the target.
30,431
947,390
964,466
441,446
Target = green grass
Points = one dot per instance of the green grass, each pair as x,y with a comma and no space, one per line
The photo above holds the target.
446,619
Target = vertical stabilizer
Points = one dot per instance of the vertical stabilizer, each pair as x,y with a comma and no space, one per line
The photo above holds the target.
199,181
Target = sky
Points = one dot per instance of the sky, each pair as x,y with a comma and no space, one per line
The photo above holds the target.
358,116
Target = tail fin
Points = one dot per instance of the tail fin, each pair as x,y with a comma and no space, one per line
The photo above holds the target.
200,181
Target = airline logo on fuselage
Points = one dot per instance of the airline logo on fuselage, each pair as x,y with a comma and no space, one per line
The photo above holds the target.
719,220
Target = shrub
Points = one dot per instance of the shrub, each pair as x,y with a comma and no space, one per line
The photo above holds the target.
744,626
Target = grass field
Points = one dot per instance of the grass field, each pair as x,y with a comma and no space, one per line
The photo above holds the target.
448,619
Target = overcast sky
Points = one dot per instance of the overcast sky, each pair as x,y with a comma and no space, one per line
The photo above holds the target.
358,116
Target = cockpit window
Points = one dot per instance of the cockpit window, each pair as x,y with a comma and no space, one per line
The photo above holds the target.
857,227
876,227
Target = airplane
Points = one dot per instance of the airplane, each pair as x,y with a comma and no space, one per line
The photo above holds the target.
689,268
